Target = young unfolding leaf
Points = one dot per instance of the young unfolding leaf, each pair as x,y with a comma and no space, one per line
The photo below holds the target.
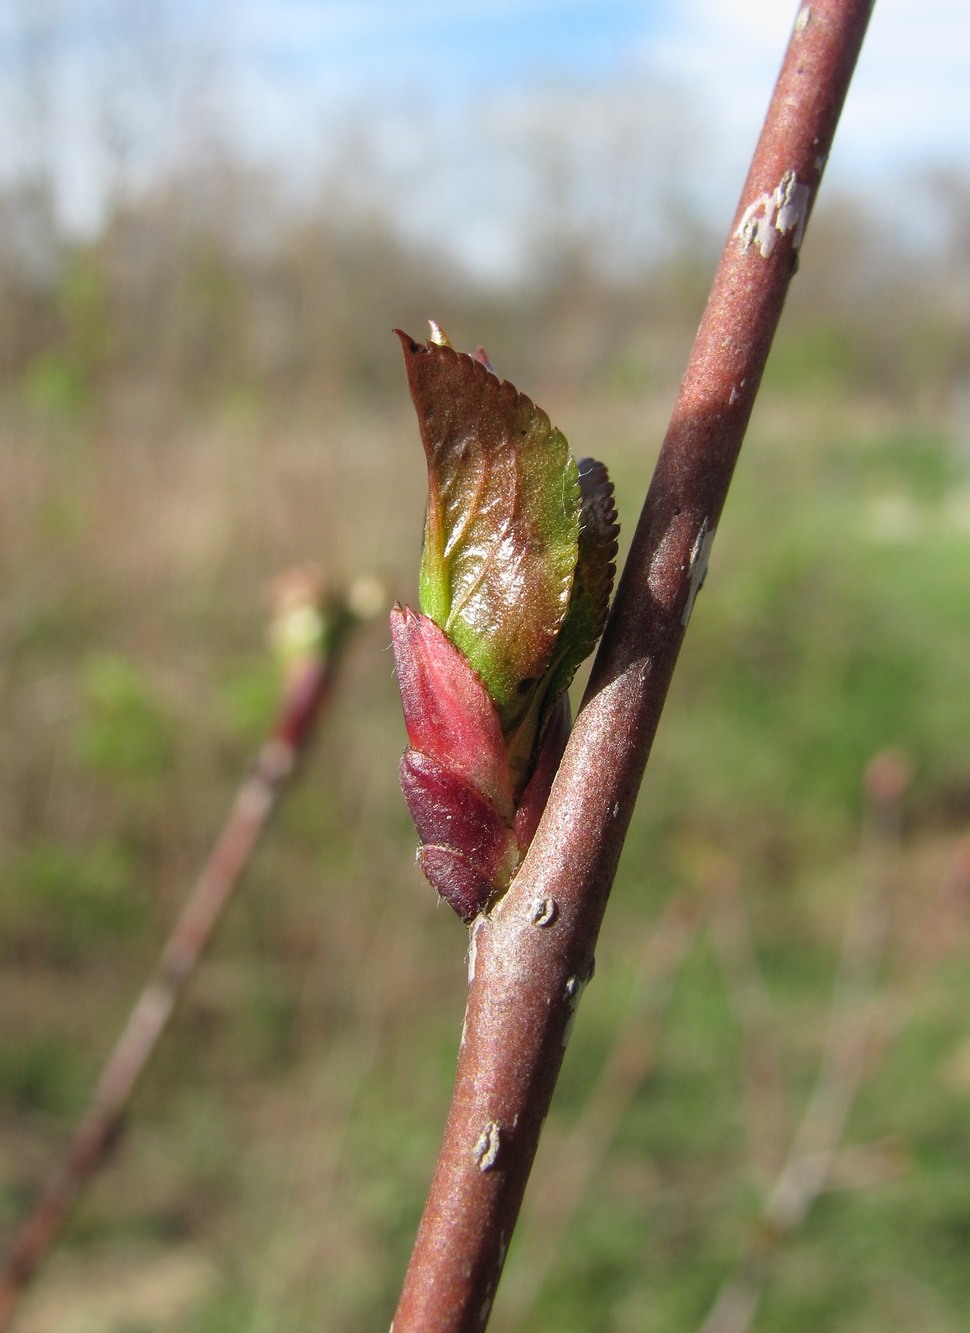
464,839
502,531
589,603
448,712
516,575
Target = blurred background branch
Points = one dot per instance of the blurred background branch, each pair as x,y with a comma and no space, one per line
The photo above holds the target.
310,629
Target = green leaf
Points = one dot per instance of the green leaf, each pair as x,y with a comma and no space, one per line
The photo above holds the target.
589,602
503,526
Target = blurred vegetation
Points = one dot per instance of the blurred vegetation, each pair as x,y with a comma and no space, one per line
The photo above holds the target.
205,391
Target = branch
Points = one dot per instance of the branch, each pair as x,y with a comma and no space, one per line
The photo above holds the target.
304,694
530,959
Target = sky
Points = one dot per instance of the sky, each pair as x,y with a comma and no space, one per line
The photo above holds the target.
908,103
452,92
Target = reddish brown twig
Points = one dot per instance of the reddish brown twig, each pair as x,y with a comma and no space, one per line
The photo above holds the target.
305,691
532,957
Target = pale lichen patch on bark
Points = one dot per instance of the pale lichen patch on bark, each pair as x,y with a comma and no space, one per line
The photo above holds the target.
773,214
486,1146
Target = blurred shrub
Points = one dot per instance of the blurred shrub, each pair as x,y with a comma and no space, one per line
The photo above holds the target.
247,698
813,357
59,903
839,626
54,385
41,1074
61,379
123,731
921,464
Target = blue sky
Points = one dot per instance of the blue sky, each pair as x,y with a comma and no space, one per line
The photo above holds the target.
723,54
450,90
455,50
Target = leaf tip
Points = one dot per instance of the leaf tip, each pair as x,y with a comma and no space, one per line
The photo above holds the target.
438,335
410,346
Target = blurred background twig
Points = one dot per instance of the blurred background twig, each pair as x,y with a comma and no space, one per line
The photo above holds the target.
310,628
